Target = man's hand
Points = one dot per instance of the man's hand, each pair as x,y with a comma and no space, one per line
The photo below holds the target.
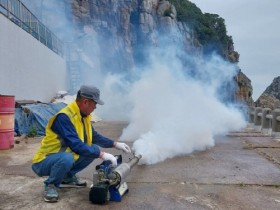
122,146
107,156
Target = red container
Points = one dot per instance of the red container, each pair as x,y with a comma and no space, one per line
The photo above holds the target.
7,121
6,140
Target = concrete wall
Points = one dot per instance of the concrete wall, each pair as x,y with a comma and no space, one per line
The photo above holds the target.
28,69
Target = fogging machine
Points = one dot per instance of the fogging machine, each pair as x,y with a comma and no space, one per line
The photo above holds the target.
109,182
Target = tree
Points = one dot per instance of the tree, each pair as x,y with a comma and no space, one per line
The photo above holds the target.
209,28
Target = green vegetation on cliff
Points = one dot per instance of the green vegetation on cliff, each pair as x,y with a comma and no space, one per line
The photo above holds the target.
210,29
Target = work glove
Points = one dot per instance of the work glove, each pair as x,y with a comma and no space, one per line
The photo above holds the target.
122,146
107,156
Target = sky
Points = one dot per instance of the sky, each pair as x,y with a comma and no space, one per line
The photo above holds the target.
254,27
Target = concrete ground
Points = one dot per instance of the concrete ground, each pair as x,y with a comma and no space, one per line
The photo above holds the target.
240,172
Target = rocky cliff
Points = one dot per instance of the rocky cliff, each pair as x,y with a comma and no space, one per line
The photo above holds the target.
244,91
270,98
128,28
122,31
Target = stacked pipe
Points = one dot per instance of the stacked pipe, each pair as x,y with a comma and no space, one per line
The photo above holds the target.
276,123
265,120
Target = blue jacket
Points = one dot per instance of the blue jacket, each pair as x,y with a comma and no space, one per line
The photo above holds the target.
63,126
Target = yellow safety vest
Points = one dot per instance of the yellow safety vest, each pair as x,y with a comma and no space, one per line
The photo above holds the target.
51,143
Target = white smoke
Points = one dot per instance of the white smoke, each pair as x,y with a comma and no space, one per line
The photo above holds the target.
114,92
169,112
174,114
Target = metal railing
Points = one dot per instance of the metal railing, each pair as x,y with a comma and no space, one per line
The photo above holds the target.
17,12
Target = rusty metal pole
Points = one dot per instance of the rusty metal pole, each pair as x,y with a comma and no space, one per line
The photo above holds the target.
266,121
276,123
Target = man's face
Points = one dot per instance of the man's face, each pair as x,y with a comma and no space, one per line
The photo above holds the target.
88,106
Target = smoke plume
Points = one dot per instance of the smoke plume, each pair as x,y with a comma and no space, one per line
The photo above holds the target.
174,114
173,103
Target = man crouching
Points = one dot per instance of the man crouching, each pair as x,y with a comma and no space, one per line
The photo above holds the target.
71,144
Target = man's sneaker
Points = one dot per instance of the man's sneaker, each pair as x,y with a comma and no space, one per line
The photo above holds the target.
73,181
50,194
